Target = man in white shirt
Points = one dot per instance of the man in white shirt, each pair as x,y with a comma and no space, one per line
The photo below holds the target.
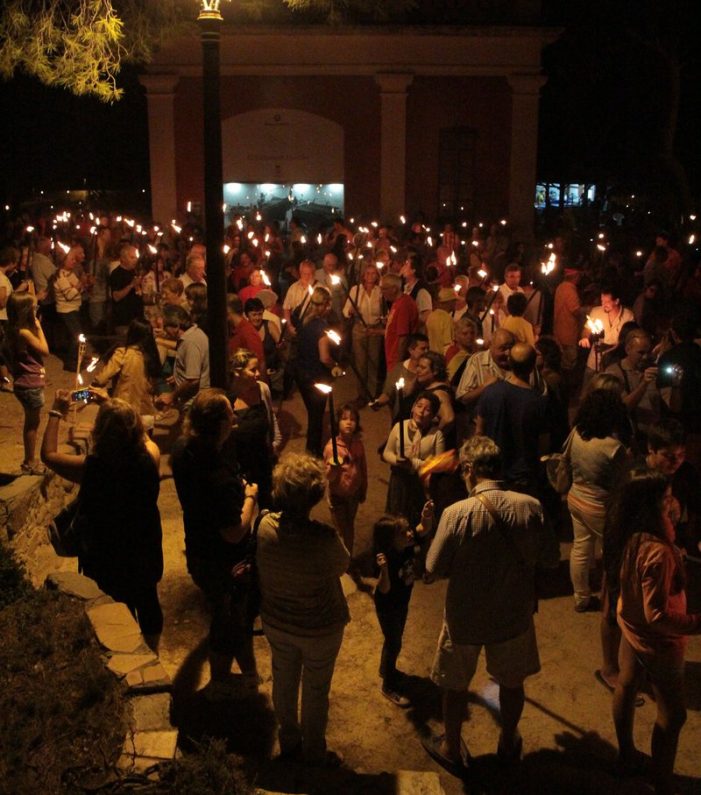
69,289
194,270
612,316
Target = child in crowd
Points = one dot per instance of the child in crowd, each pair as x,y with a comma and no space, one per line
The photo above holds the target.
421,440
348,479
27,346
515,322
394,546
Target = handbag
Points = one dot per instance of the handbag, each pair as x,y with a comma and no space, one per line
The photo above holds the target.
558,467
246,589
64,530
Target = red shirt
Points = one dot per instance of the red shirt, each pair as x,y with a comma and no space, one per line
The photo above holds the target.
245,336
403,319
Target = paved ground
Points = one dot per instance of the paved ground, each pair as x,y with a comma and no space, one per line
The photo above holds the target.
567,728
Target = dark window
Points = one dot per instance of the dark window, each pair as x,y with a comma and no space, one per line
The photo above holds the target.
456,169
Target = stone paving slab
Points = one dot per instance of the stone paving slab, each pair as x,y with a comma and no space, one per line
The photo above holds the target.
151,713
115,627
74,584
155,744
122,664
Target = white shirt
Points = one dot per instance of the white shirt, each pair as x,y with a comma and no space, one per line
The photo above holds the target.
7,285
611,329
423,298
369,304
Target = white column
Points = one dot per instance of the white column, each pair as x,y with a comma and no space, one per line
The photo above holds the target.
160,96
393,92
525,90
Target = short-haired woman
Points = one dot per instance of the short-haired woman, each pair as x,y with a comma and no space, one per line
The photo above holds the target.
303,609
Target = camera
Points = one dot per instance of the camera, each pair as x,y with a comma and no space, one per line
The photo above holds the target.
82,396
669,375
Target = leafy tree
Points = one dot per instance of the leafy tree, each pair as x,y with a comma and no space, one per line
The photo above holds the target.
80,45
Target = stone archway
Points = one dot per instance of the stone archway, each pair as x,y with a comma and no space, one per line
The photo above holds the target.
280,145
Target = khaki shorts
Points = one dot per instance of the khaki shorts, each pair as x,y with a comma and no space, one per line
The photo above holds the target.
508,662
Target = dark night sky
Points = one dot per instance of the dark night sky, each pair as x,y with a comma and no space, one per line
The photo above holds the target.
600,112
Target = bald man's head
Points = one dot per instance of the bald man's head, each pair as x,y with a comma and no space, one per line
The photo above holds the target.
502,342
522,356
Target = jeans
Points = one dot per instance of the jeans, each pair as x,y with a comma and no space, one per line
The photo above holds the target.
392,622
587,528
311,660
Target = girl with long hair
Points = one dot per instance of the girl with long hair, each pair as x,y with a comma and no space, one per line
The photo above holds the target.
120,543
643,562
135,366
27,346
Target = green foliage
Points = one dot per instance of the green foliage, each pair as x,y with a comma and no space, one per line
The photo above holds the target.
63,716
74,44
13,583
80,45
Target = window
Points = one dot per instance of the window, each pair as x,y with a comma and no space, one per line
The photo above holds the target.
456,169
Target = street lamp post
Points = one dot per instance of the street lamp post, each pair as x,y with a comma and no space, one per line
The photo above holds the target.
210,20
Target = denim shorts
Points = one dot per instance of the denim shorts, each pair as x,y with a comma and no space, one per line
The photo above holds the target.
32,398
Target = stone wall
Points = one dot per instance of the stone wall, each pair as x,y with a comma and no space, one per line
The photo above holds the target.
27,506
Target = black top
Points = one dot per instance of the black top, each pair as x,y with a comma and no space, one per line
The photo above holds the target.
211,495
131,306
122,526
400,566
309,365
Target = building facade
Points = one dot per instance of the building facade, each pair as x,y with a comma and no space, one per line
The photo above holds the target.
441,120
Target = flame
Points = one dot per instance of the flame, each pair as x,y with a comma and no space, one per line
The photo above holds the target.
334,336
399,385
482,273
188,207
325,388
266,279
595,326
335,280
93,364
178,229
548,267
457,287
152,249
402,219
303,240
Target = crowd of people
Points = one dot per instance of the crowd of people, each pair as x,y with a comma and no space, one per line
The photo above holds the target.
487,362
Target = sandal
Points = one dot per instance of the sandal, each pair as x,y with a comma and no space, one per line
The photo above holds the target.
432,746
33,469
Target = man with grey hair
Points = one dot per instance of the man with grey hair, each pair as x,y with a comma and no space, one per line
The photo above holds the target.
488,547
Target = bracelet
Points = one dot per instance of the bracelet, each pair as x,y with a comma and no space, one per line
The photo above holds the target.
55,413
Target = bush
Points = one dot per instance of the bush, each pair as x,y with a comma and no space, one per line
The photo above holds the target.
63,716
13,583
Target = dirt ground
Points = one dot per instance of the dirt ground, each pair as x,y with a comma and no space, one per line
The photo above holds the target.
569,741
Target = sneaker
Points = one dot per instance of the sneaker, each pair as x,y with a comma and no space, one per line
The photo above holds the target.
396,698
590,605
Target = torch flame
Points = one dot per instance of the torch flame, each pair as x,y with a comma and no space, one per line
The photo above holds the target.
399,385
334,336
266,279
325,388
